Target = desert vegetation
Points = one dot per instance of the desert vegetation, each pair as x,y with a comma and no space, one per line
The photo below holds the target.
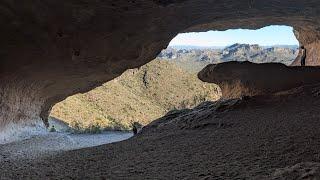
167,83
139,95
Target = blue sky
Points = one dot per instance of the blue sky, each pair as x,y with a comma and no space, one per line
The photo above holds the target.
267,36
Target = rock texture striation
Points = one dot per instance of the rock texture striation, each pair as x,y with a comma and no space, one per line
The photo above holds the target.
238,79
52,49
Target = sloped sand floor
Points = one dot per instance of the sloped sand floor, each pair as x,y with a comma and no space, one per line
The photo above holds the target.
246,139
41,145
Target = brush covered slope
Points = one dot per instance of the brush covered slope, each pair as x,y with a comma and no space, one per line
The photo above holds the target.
140,95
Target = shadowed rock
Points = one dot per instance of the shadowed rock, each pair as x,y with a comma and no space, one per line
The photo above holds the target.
307,171
237,79
50,50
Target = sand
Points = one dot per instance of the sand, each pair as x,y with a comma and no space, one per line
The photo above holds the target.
48,144
252,138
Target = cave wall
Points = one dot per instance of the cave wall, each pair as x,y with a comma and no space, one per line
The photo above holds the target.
309,38
53,49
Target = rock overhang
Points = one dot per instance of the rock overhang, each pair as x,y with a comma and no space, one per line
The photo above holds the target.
241,79
53,49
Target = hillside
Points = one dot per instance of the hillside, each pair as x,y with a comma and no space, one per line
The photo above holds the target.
141,95
194,59
167,83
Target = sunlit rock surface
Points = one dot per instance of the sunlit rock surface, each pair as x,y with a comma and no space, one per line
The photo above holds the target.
238,79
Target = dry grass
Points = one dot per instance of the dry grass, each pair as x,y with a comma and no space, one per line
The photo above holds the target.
139,95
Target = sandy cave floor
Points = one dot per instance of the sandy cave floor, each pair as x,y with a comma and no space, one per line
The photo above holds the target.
48,144
250,139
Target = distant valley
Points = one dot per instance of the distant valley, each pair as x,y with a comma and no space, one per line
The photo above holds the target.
195,58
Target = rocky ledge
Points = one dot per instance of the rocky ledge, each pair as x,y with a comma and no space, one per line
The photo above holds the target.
238,79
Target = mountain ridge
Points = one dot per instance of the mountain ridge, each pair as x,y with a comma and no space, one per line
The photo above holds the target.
195,59
222,47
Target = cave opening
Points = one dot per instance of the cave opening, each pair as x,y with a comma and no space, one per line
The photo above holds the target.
52,50
170,81
265,45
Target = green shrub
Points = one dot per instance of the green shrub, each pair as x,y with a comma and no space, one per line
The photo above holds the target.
76,126
137,124
93,129
52,129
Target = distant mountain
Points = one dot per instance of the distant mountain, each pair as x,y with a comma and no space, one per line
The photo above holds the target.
283,46
195,59
222,47
258,54
196,47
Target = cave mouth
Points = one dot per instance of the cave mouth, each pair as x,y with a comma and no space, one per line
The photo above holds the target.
275,43
198,52
273,35
169,82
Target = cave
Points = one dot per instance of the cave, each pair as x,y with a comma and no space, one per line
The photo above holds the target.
141,94
51,50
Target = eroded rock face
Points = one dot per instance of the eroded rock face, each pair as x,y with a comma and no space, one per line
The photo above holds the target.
52,49
309,39
238,79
